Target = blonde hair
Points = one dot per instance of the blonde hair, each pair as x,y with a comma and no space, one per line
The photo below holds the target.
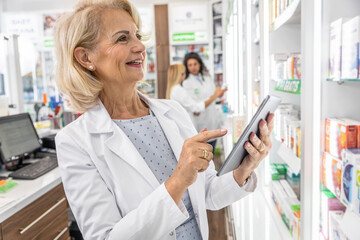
82,28
174,77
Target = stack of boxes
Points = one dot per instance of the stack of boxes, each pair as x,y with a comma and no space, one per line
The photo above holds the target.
340,174
287,127
286,200
344,49
284,66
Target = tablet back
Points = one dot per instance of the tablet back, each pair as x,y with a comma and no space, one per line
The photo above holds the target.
268,105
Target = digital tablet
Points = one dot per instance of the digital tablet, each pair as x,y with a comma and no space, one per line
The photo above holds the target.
237,154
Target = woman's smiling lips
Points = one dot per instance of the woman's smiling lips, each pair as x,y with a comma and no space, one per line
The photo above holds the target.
137,63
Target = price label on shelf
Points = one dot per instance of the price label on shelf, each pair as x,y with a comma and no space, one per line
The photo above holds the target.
289,86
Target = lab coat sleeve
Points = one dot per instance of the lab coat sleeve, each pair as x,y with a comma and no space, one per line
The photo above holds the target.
94,205
183,97
224,190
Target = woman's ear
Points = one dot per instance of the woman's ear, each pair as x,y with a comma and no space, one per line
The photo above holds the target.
82,56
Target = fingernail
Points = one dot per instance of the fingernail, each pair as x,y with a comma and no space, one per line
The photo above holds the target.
223,131
247,144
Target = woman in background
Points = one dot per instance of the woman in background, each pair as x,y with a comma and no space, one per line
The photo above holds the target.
175,91
200,86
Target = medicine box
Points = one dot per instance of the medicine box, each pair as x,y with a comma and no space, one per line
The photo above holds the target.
350,195
335,232
350,48
339,135
331,174
335,49
329,202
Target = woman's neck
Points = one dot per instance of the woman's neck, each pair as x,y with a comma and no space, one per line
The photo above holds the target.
123,103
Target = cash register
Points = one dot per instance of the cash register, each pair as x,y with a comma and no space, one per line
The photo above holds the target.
21,148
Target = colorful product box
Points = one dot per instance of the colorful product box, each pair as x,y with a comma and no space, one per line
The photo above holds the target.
350,48
339,135
332,169
328,203
357,125
350,196
356,196
335,48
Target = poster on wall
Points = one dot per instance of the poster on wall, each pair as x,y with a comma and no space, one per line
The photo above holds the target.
22,24
49,23
188,23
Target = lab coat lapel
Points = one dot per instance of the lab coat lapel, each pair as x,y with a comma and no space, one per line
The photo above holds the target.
119,144
99,122
172,133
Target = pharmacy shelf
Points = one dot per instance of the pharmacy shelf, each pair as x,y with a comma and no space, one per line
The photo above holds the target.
285,233
292,15
217,17
287,155
341,80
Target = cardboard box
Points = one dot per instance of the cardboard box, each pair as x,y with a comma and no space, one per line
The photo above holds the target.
357,125
335,48
335,231
350,48
332,169
339,135
328,203
351,179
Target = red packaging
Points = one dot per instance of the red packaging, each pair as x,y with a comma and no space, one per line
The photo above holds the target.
339,135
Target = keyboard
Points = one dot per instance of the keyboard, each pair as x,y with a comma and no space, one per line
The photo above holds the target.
35,170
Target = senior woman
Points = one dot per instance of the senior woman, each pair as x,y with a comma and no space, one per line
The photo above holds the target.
133,167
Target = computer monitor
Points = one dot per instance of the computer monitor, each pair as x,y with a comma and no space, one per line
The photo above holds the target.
18,137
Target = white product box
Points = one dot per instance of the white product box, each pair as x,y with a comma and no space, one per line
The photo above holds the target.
335,231
288,189
350,48
335,48
350,158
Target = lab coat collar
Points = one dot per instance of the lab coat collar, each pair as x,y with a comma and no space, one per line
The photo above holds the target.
98,119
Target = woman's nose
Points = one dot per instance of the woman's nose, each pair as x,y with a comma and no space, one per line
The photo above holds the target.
138,46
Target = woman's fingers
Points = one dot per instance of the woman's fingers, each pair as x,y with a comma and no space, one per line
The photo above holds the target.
205,136
205,154
270,122
253,152
257,143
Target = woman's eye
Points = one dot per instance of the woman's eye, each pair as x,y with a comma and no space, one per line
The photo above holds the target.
121,39
139,36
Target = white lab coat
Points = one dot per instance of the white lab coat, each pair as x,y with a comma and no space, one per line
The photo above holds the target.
114,194
179,94
210,118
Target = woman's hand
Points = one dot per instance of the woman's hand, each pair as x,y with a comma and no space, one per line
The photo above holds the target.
258,148
219,92
195,157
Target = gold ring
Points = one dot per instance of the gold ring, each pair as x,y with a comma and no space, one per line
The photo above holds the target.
261,147
205,154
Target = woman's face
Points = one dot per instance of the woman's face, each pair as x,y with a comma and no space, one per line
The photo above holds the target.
193,66
119,54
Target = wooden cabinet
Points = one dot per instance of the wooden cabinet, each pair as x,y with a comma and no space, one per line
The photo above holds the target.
45,218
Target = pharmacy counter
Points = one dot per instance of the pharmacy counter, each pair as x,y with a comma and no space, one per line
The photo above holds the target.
35,209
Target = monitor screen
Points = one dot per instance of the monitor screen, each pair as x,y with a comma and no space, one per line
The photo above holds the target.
17,136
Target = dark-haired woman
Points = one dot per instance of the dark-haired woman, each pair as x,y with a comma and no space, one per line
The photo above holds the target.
200,87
